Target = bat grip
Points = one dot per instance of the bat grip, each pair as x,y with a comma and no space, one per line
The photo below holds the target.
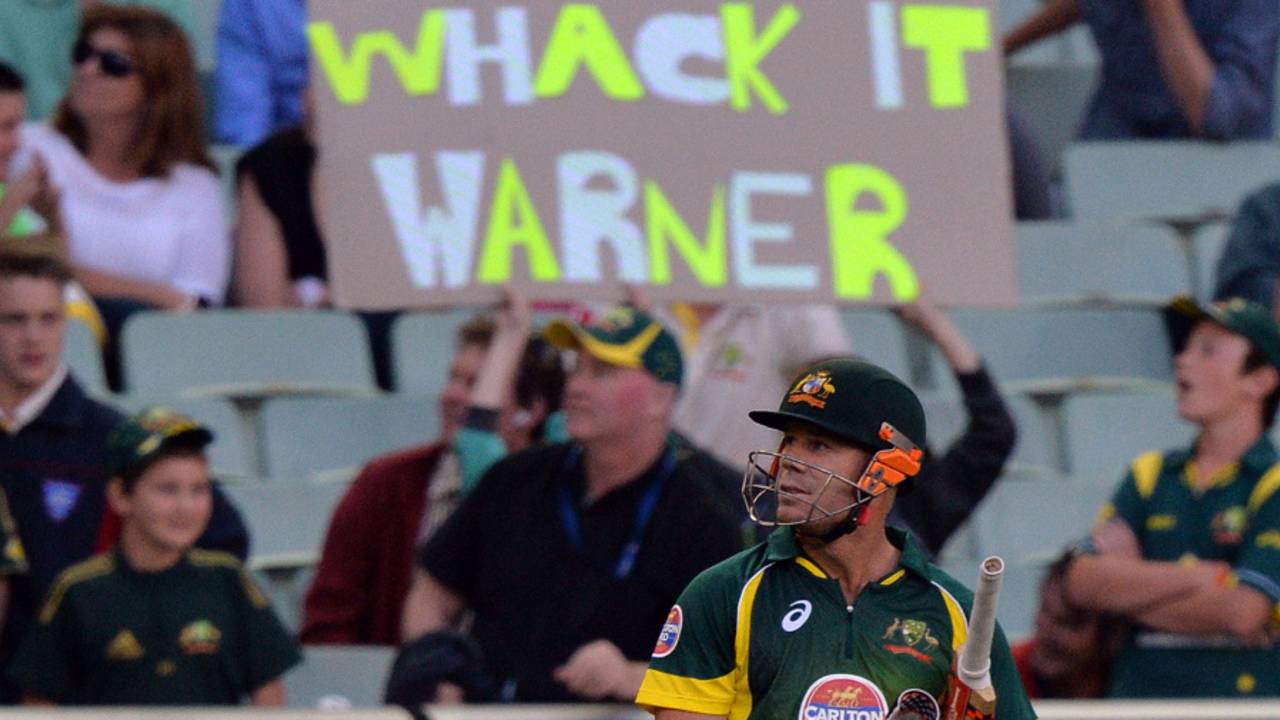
974,667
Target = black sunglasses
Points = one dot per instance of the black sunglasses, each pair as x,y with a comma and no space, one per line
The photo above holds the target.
112,63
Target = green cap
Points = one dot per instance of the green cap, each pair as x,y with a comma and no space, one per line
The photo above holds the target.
849,398
140,438
1248,319
626,337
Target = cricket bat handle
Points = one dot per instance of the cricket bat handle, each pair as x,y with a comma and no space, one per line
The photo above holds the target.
972,694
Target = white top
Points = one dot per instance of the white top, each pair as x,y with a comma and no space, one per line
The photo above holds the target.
743,360
171,230
30,409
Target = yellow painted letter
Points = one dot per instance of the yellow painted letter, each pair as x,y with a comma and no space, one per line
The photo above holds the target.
514,221
419,71
860,247
706,261
582,37
945,34
744,51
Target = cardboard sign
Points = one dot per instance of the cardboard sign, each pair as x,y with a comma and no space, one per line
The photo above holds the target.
760,151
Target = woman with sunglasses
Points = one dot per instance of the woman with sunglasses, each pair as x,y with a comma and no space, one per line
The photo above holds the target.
126,150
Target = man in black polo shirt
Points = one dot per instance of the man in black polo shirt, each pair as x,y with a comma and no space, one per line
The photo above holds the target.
570,555
53,443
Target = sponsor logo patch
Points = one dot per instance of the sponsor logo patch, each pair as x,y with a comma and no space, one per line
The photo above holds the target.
670,635
916,704
843,697
60,497
797,615
200,638
1229,525
124,647
813,389
912,638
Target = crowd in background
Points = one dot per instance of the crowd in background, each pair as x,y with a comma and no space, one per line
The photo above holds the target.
458,549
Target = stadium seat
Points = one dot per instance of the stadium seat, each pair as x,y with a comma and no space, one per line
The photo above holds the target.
287,522
243,354
1061,349
1104,432
1144,180
1207,248
947,418
308,435
332,677
231,456
1101,263
1032,517
83,357
878,336
422,346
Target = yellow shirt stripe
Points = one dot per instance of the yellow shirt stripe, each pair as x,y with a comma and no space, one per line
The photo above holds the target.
742,700
664,690
1265,488
87,570
959,623
1146,471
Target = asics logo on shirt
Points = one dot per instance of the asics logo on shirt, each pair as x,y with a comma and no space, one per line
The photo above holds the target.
797,615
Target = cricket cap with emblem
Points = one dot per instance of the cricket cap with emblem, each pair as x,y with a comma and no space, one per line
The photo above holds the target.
625,337
1248,319
851,399
140,439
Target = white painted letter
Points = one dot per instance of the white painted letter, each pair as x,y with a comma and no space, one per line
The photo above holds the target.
664,41
447,234
884,54
589,217
745,233
464,56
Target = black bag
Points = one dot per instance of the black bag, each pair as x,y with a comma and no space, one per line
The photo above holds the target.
437,657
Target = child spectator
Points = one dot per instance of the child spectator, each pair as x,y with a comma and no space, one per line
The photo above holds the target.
156,622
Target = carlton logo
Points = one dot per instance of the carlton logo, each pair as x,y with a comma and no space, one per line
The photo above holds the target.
843,697
670,635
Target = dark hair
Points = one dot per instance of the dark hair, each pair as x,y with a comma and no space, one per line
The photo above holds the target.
10,80
540,374
184,446
1254,361
39,265
172,129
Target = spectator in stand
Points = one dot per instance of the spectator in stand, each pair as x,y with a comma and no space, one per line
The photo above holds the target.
502,388
1249,266
1173,68
938,501
15,218
53,443
1070,654
1188,550
262,69
156,621
280,257
126,151
36,38
571,554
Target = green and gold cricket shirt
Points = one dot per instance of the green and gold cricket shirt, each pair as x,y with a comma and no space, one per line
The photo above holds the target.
1236,520
198,633
767,634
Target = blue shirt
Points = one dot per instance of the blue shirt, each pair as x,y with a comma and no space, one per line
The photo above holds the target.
1133,101
262,69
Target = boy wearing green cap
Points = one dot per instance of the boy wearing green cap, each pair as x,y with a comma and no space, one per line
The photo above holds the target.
156,621
1188,550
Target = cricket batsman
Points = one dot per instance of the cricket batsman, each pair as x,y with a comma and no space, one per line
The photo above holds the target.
835,616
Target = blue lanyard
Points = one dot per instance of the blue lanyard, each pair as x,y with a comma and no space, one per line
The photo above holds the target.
644,513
